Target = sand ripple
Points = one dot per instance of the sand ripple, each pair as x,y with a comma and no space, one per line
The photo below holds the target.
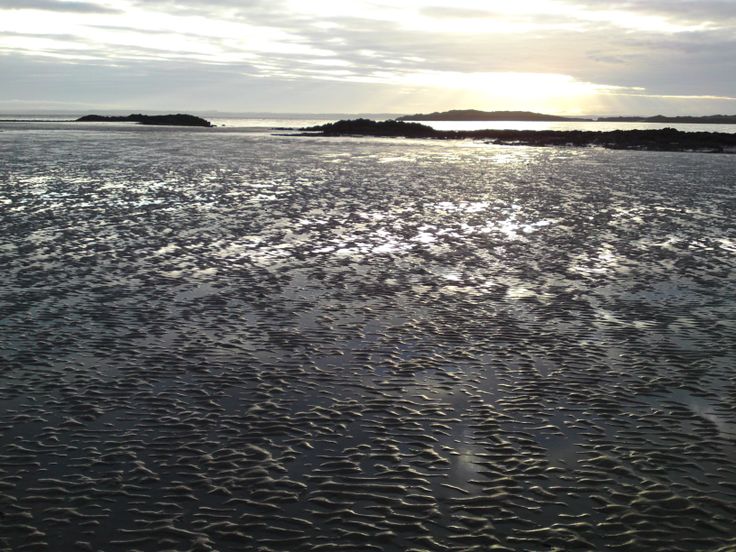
228,342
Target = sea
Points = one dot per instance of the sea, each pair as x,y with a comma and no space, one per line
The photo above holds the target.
239,338
269,122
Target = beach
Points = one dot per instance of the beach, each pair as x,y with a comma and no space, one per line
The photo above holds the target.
223,339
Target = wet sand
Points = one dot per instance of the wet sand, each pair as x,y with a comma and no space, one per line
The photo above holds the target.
227,342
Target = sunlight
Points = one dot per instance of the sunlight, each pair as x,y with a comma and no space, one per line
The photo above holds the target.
514,90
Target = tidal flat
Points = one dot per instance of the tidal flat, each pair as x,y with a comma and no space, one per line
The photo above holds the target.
215,341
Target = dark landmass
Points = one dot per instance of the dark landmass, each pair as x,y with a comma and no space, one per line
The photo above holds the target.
367,127
180,119
476,115
666,139
704,120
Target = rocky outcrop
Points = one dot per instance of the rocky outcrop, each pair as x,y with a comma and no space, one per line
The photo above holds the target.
179,119
368,127
666,139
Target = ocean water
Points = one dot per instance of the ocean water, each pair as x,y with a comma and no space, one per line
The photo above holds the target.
239,123
223,340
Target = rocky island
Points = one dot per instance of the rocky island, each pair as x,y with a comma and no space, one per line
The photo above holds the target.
179,119
666,139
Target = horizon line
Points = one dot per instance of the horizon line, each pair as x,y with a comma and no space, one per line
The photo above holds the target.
315,114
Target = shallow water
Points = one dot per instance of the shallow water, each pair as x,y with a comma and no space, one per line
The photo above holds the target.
268,123
235,341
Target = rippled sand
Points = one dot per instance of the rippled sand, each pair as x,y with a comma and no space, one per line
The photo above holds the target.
242,342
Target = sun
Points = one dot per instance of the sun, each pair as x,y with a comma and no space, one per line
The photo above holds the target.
511,90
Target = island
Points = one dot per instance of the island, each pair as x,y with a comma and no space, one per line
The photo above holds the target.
179,119
702,120
665,139
477,115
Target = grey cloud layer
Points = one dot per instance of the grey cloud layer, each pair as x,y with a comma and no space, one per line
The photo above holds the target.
690,63
692,11
683,10
52,5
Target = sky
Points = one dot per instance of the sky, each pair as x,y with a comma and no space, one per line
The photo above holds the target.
570,57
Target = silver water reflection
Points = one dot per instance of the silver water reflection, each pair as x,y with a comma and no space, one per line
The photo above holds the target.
223,341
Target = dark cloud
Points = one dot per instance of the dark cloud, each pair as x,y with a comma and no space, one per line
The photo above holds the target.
52,5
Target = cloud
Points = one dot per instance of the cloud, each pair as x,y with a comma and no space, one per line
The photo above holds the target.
463,13
684,10
56,6
671,49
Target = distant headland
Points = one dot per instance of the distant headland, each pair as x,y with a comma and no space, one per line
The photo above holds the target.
180,119
701,120
477,115
665,139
